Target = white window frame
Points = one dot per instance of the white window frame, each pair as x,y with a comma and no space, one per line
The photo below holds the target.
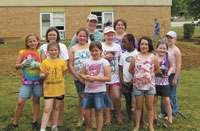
103,18
52,24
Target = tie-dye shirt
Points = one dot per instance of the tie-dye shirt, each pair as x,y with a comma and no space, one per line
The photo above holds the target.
79,57
31,76
95,68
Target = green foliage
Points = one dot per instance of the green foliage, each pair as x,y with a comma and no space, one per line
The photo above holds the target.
188,30
172,19
180,34
193,7
177,5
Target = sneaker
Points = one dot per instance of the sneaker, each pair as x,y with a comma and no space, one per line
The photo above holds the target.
94,124
80,123
156,123
35,126
10,127
162,115
54,128
167,125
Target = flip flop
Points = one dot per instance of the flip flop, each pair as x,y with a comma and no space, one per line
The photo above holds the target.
108,123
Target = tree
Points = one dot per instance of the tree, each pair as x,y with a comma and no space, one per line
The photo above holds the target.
194,8
177,5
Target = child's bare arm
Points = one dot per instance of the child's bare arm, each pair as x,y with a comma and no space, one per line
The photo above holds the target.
18,62
171,66
43,57
108,57
83,73
156,66
42,75
106,77
178,66
132,66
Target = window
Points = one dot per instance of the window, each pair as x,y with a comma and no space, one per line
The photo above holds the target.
103,17
56,19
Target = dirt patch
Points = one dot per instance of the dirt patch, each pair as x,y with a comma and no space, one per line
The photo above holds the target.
190,59
195,41
7,62
190,56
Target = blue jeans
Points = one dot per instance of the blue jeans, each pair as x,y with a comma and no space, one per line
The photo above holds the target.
156,33
173,98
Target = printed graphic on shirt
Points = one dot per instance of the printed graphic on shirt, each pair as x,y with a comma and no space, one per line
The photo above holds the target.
93,70
128,59
79,58
31,74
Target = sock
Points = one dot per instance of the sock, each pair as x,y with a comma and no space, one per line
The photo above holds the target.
54,126
42,129
83,118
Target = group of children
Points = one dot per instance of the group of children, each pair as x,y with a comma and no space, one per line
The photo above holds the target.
101,72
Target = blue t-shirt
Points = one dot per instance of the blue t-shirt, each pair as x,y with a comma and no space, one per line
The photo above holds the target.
157,25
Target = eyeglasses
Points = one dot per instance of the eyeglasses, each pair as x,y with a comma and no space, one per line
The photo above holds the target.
91,36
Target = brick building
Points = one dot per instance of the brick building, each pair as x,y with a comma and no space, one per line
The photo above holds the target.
20,17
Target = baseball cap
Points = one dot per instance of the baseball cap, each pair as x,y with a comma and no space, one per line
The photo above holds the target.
92,17
108,29
172,34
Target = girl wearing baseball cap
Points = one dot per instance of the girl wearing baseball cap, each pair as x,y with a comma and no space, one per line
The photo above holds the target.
112,52
174,77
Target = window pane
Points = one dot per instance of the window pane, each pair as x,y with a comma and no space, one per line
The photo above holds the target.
60,27
99,26
99,16
58,18
107,17
62,35
45,23
97,13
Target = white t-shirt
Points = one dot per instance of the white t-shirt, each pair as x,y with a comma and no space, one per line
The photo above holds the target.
63,51
125,61
95,68
115,50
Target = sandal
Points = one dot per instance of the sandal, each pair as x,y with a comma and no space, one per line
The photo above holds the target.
119,122
167,125
108,123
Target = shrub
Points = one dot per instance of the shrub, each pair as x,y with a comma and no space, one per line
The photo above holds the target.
188,30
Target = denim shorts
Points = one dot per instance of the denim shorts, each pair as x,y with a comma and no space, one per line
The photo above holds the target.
26,91
80,87
95,100
162,91
144,92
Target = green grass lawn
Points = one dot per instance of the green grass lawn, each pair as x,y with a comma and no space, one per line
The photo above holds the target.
180,35
188,100
182,19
